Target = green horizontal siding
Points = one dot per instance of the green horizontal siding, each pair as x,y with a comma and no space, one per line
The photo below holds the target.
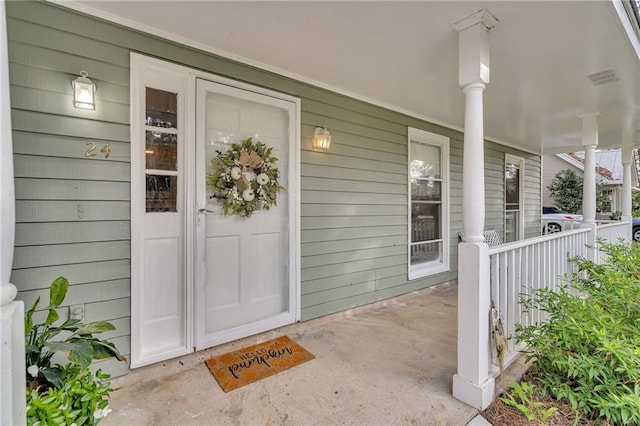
73,212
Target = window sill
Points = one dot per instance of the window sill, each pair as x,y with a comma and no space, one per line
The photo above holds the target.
427,270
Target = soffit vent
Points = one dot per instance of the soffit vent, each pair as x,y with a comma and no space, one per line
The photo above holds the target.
603,77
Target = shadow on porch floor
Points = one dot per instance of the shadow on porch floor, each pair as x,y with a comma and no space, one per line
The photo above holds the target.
387,363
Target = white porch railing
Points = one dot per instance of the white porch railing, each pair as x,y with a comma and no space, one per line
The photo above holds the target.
521,267
613,230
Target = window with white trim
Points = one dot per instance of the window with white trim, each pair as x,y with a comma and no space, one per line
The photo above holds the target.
513,198
428,215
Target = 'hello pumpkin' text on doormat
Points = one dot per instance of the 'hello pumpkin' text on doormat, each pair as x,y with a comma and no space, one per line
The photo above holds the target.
247,365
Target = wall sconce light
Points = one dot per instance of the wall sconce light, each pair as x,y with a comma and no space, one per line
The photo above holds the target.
321,138
84,92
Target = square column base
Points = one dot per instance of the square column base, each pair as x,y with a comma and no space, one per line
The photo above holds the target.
12,368
478,396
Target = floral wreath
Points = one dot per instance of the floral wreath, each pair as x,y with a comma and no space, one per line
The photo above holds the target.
245,178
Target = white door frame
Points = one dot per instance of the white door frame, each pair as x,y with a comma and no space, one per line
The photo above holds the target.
140,63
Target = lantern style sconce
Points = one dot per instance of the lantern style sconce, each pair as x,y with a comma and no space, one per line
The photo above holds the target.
321,138
84,92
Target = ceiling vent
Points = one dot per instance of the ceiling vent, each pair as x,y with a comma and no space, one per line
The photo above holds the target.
603,77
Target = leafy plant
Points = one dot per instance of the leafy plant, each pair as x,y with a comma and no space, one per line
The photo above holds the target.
521,397
588,349
80,400
73,387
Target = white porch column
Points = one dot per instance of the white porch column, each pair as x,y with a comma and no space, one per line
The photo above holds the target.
473,384
12,368
627,160
590,142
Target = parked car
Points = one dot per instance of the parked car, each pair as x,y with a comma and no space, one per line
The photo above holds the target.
555,220
636,229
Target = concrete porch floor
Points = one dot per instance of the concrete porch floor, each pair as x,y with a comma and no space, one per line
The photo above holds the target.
387,363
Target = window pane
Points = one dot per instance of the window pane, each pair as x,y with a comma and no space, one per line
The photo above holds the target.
425,160
161,151
162,193
428,252
425,222
161,108
426,190
511,225
512,183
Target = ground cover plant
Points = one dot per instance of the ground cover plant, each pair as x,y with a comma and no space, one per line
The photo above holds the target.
70,393
588,352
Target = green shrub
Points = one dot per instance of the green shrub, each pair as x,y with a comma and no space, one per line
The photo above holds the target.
589,349
70,393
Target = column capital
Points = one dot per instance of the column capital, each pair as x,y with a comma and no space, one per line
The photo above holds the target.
482,16
473,47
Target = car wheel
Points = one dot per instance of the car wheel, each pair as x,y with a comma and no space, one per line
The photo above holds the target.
636,233
551,228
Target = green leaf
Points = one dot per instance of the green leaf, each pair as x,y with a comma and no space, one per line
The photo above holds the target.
58,291
52,317
53,376
104,349
95,327
28,317
79,351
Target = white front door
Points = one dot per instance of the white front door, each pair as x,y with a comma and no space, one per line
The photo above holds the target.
245,268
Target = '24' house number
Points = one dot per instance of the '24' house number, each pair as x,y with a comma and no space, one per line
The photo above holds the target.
91,150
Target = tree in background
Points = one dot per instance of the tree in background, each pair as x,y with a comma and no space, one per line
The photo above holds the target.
635,203
566,191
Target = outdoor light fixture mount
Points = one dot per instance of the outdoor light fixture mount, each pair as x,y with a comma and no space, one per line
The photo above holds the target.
321,138
84,92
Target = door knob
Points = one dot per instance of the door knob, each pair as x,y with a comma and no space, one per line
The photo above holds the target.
205,210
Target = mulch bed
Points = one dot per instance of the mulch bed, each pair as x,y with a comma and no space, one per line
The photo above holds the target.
500,414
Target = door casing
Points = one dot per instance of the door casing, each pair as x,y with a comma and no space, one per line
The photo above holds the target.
141,64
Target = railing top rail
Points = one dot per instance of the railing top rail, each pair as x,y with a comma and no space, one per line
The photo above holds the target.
612,224
535,240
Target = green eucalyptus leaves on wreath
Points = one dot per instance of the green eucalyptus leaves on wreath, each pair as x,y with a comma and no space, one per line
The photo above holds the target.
245,178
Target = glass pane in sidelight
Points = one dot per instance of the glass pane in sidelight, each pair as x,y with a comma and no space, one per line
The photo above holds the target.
512,183
161,151
162,108
161,193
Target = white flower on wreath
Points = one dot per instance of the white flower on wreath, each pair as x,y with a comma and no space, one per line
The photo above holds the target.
33,370
262,179
236,173
248,195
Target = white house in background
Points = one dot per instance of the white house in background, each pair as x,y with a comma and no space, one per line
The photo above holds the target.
115,197
609,174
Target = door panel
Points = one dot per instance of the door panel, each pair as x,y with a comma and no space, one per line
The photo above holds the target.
244,279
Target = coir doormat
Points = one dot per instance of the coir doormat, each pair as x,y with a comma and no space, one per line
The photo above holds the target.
243,366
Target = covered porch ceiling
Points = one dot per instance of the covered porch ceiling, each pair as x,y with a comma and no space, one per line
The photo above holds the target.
404,55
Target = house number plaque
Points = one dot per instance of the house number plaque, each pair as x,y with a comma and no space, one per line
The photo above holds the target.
91,150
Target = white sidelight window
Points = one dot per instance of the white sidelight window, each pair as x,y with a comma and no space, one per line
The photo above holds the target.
428,203
513,198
